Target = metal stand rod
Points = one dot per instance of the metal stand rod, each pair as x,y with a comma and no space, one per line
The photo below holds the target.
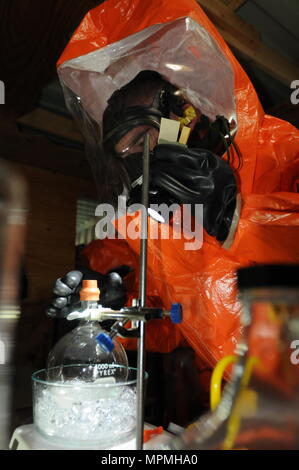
142,296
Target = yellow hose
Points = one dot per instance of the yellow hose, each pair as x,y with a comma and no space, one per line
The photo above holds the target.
216,380
245,405
247,399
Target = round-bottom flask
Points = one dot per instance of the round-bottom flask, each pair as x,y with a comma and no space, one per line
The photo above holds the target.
80,346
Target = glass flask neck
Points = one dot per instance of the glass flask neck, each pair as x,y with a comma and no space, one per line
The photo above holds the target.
88,306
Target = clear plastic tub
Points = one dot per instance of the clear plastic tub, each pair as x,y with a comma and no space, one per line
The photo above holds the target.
79,405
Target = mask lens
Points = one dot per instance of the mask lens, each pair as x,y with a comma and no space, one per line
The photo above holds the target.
132,142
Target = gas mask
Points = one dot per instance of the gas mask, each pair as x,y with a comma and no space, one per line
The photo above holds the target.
178,174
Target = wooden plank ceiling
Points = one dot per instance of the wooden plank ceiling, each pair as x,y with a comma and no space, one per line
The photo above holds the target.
246,39
33,35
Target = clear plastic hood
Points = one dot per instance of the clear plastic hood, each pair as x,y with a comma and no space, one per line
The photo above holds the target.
182,51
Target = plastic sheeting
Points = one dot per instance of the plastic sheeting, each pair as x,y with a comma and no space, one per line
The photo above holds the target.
115,41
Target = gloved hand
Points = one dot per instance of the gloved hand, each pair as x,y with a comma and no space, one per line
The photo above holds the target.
196,176
66,290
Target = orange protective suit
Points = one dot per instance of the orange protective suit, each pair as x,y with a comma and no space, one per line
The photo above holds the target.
268,227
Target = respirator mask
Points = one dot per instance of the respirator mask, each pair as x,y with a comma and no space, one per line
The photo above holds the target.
178,174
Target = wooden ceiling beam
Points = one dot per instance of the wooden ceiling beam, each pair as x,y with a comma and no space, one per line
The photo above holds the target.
246,40
33,35
234,4
224,17
265,58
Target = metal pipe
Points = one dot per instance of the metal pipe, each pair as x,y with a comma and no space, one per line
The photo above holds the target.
142,295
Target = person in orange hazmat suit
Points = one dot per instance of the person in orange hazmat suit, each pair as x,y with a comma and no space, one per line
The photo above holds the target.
240,163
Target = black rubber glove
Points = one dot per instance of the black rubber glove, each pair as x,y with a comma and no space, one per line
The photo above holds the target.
66,290
196,176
